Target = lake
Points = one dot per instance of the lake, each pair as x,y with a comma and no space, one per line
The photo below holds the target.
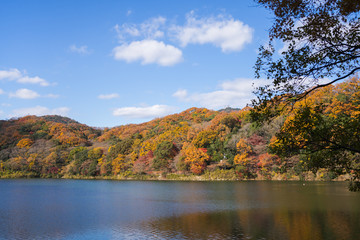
100,209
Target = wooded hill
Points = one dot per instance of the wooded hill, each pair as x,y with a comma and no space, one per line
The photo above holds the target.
320,131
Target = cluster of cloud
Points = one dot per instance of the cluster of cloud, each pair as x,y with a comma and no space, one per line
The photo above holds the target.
147,43
222,31
15,75
146,47
236,93
19,77
144,112
39,111
231,94
155,41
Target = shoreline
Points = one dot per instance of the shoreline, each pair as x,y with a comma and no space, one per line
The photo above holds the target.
209,177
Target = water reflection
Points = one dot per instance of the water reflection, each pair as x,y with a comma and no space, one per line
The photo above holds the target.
67,209
257,224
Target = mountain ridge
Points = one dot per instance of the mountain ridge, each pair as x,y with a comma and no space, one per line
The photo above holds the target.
225,144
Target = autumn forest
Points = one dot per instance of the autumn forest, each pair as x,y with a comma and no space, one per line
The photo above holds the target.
316,138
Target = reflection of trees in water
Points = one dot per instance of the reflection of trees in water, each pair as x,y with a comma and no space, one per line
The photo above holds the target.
258,224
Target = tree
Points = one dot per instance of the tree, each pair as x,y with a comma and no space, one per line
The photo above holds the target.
165,150
77,156
25,143
205,138
244,160
195,158
141,165
90,166
163,153
321,46
325,129
49,165
118,164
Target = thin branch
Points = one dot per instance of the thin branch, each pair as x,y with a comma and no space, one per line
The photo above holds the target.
326,84
307,72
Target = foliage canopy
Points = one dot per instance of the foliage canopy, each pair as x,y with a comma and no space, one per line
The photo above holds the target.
321,46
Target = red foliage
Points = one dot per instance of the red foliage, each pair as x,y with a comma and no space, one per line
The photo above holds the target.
255,140
142,164
204,150
267,160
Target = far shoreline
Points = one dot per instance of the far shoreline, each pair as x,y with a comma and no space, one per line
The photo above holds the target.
217,176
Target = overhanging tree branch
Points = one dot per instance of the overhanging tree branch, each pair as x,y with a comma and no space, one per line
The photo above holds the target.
327,84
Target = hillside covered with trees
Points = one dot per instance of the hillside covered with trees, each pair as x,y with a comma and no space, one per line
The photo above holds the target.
318,137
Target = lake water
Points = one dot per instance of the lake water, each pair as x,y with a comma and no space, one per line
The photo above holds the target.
85,209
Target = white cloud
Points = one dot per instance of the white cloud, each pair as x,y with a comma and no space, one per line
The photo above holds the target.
15,74
25,94
128,13
148,51
11,74
39,111
1,91
181,94
108,96
143,112
235,93
130,29
81,50
224,32
152,28
33,80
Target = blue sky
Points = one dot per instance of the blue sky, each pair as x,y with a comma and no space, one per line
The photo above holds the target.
109,63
